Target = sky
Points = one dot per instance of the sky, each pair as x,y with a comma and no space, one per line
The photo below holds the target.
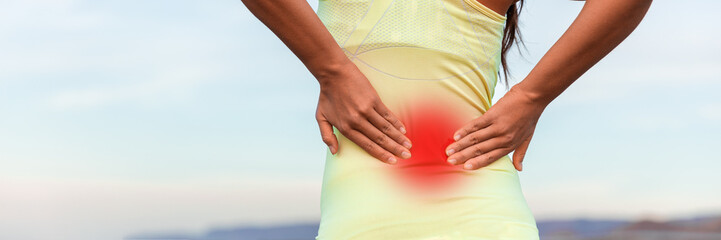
122,117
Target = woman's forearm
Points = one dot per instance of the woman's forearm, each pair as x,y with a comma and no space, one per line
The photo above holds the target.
599,28
298,26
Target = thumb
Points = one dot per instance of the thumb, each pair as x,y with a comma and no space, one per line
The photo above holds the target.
326,133
520,152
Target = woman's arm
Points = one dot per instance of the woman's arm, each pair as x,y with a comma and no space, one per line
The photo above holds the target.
599,28
509,124
347,99
298,26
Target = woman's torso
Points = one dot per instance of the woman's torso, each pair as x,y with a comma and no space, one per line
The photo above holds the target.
434,63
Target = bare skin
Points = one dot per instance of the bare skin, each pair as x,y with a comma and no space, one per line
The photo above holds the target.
347,99
509,124
349,102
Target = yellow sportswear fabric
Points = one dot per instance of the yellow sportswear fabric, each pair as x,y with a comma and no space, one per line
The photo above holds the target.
434,63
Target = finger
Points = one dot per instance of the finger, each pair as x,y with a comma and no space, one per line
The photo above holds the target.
475,150
520,153
475,125
326,133
390,117
370,147
485,159
383,140
470,140
389,130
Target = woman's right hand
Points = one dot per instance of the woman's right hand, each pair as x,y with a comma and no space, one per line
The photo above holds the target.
350,103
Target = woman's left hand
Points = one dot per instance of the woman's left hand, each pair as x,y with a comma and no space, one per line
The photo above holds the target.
507,125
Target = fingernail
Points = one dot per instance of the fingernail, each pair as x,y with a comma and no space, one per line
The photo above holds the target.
452,161
450,151
332,149
457,136
392,160
406,154
403,130
468,166
407,144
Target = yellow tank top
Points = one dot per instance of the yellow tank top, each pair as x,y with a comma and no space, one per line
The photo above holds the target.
434,63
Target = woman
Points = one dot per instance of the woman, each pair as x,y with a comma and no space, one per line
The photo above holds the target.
415,149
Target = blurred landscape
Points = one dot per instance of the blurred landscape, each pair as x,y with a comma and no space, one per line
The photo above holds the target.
697,228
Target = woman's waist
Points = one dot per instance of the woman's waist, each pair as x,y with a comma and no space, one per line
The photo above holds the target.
430,125
424,178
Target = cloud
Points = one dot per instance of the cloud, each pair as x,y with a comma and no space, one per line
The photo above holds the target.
64,15
710,111
615,197
89,210
168,84
94,56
